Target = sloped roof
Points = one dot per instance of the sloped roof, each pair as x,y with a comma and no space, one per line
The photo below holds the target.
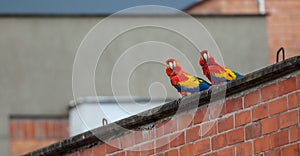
84,7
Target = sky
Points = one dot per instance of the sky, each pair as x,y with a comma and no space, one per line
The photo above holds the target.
83,7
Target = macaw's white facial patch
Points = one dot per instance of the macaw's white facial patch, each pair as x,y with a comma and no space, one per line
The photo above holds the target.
205,56
172,65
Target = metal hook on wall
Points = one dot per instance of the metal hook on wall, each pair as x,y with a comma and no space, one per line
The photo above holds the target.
278,52
104,122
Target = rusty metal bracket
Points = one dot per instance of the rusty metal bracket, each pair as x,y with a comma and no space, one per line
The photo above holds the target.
278,52
104,122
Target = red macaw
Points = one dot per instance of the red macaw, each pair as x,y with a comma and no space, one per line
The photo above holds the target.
216,73
182,81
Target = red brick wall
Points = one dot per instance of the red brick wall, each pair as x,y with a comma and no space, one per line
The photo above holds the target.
283,20
283,23
261,121
224,7
30,134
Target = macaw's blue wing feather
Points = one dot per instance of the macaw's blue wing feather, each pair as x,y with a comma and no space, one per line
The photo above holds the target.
185,89
196,89
237,75
217,79
204,86
201,85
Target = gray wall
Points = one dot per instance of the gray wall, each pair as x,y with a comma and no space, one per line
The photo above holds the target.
37,56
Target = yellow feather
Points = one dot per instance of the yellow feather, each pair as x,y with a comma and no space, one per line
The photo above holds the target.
230,75
219,75
191,82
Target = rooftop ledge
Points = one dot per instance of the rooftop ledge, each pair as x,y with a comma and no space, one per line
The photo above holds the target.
115,130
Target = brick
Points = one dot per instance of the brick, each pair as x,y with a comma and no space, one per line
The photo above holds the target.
288,119
279,139
86,152
270,125
177,139
162,144
12,129
17,131
65,131
294,100
294,134
202,146
201,115
275,152
127,140
27,128
216,110
219,141
147,148
193,134
135,150
234,105
235,136
184,121
242,118
138,136
133,153
159,129
170,126
187,150
298,81
45,130
56,129
253,131
99,150
208,129
144,135
244,149
173,152
51,131
119,154
112,146
262,144
269,92
225,124
291,150
287,85
277,106
251,99
31,129
19,147
225,152
259,112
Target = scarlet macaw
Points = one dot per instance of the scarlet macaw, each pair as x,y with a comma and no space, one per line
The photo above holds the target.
216,73
182,81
